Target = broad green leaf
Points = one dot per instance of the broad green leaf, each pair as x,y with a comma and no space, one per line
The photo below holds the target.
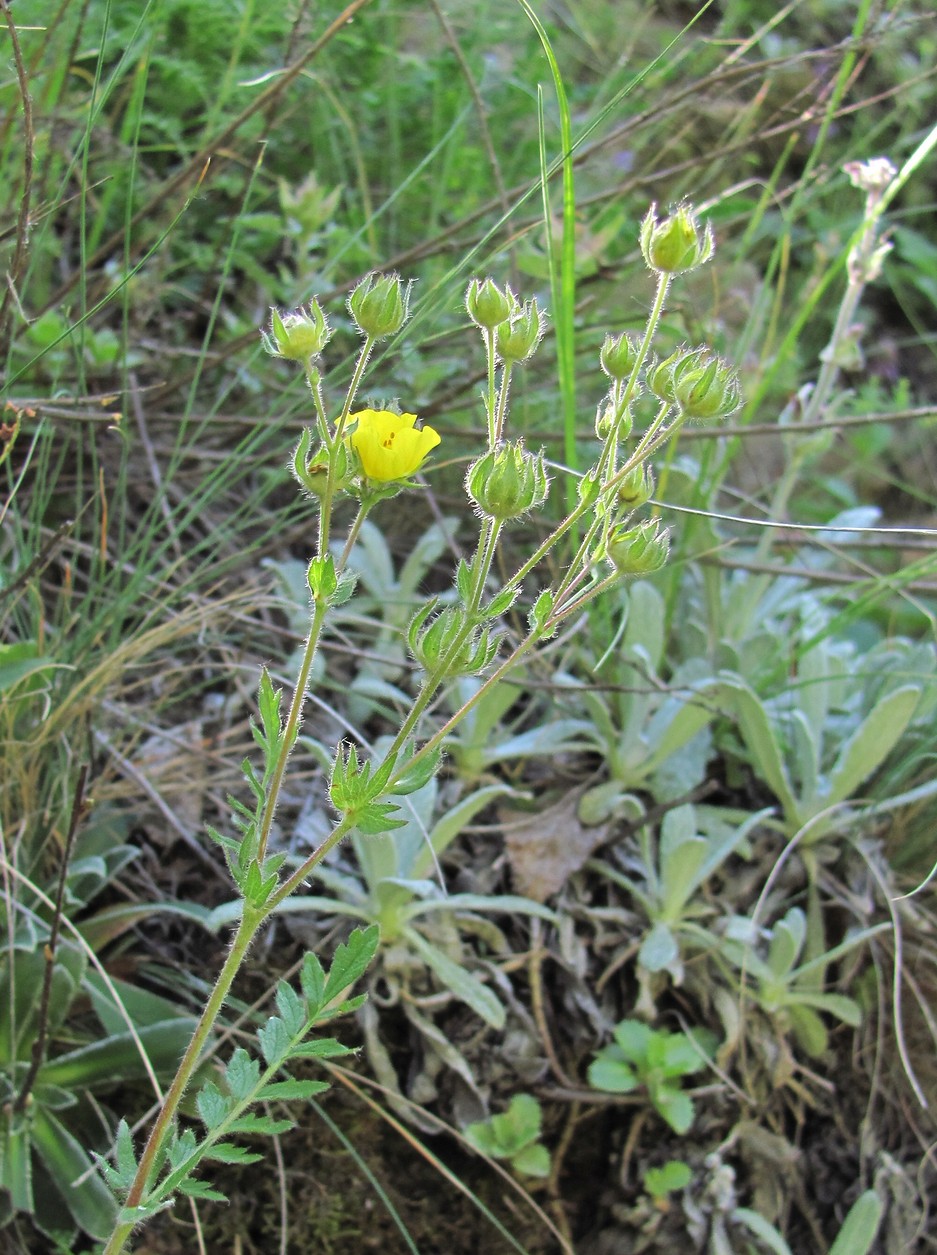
872,742
91,1203
466,987
760,741
675,1107
634,1039
860,1226
16,1174
312,982
764,1231
659,949
533,1161
787,939
613,1075
117,1058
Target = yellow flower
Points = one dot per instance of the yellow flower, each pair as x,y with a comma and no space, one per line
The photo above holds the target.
389,446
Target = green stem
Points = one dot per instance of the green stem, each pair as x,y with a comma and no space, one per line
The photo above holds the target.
247,928
291,729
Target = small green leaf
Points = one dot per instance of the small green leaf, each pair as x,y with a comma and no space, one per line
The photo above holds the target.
324,1048
312,982
212,1105
274,1040
200,1189
675,1107
350,960
613,1075
860,1226
228,1152
291,1008
292,1088
672,1176
634,1038
242,1075
533,1161
264,1126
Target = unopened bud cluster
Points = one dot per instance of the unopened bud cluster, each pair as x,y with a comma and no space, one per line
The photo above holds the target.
638,550
517,326
443,645
677,243
508,481
380,305
299,336
701,385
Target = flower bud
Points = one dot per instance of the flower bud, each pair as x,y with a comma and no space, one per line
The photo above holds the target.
487,305
638,550
434,643
618,355
605,421
677,243
705,387
516,339
380,305
636,487
298,336
507,482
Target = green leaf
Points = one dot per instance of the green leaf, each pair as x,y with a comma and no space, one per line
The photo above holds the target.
292,1088
675,1107
872,742
612,1075
378,817
16,1173
351,960
91,1203
126,1156
634,1039
860,1226
787,939
228,1152
463,984
671,1176
274,1040
292,1009
323,1048
242,1075
212,1105
659,949
533,1161
312,983
264,1126
762,1230
761,743
200,1189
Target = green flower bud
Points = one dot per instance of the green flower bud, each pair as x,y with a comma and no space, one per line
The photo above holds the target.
636,487
516,339
705,387
677,243
659,376
433,642
487,305
605,421
618,355
638,550
298,336
380,305
507,482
